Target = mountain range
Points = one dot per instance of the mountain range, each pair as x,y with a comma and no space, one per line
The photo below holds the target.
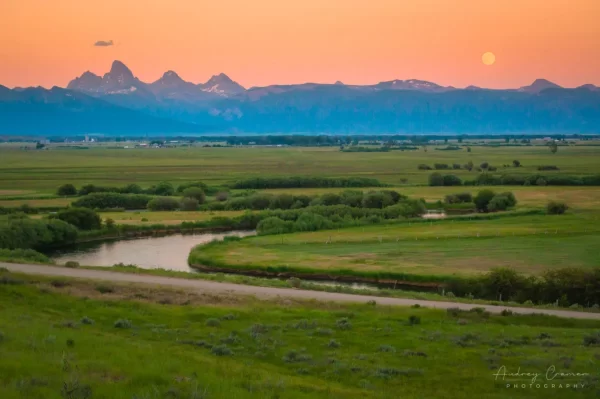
120,103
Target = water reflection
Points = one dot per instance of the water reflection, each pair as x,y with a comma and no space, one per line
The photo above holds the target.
168,252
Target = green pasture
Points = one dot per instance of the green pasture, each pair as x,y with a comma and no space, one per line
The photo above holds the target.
529,244
64,338
43,171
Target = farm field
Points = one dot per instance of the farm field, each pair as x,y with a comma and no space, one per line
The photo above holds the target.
44,171
165,217
126,341
529,244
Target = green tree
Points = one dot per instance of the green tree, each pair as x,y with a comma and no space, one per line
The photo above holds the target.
482,200
66,190
553,147
556,208
163,188
196,193
82,218
377,199
163,204
189,204
436,179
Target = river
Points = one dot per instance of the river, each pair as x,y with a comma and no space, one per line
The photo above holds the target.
167,252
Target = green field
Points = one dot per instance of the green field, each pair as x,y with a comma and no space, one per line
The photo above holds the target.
44,171
530,244
65,338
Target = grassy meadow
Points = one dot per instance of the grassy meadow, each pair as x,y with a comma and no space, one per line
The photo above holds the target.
44,171
80,339
457,246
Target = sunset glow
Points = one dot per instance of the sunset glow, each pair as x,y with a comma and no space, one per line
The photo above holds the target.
265,42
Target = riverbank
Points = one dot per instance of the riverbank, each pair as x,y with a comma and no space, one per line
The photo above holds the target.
271,292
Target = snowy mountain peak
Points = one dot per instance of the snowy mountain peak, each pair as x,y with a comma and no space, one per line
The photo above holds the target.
222,85
171,78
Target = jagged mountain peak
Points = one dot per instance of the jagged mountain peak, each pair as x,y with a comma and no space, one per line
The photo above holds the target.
222,85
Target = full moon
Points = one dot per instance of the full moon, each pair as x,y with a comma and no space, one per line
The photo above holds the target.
488,58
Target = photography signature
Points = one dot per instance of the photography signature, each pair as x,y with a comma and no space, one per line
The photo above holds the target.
550,374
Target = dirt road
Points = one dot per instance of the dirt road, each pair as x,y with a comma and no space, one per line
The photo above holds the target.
269,292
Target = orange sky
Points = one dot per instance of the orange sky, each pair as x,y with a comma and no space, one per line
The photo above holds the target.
260,42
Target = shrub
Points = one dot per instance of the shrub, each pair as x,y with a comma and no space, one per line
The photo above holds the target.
484,165
458,198
105,289
414,320
540,182
441,166
452,180
516,163
112,200
163,204
196,193
274,225
305,182
213,322
123,324
330,199
436,179
36,234
333,344
469,165
556,208
592,339
295,282
181,188
377,199
66,190
222,196
506,312
109,223
352,198
72,264
482,200
87,320
189,204
548,167
343,324
423,167
282,201
131,189
499,202
221,350
456,166
163,188
82,218
387,349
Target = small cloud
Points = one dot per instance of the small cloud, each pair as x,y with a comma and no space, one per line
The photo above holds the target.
104,43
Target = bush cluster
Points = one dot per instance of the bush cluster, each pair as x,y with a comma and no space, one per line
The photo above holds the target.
82,218
353,198
556,208
322,217
305,182
36,234
568,286
23,254
489,201
487,179
437,179
164,189
459,198
113,200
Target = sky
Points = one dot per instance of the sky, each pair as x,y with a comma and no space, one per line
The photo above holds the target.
262,42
